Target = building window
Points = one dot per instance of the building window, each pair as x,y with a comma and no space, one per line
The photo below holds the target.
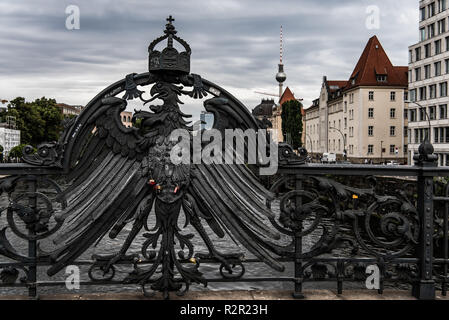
418,52
427,71
427,53
443,89
431,31
418,73
433,91
392,113
422,14
443,111
413,97
351,98
422,93
437,68
422,114
431,8
392,131
392,149
441,26
422,37
437,47
371,113
432,113
392,96
370,131
371,95
441,5
370,149
381,78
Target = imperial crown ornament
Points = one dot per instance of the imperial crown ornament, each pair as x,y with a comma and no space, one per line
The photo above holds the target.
169,60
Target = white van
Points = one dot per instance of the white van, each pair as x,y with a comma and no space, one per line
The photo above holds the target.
329,158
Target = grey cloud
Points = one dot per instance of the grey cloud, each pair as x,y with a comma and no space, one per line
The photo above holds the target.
235,43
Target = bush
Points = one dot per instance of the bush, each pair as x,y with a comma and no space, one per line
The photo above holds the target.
17,151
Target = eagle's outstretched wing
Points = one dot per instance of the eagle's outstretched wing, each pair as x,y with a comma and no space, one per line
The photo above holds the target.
232,201
108,182
229,197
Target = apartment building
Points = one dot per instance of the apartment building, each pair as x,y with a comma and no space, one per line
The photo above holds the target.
428,81
364,116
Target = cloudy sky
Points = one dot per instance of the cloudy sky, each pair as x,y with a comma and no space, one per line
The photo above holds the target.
235,43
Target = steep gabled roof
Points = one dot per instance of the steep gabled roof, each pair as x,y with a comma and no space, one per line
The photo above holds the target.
286,96
374,62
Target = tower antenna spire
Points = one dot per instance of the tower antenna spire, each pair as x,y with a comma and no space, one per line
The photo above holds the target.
281,48
281,76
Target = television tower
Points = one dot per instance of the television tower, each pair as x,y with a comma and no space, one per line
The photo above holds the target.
281,76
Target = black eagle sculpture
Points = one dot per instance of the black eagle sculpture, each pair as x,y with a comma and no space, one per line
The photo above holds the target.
120,174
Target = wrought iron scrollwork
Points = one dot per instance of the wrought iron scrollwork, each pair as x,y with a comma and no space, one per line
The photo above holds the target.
121,177
30,214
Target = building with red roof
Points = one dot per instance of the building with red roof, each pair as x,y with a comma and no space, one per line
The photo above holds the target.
364,116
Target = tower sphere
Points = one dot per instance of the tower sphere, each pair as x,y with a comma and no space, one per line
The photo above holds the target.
281,77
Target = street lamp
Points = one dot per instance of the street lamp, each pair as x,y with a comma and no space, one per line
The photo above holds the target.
345,156
310,140
381,151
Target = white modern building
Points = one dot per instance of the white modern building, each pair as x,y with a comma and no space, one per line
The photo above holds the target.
9,138
428,81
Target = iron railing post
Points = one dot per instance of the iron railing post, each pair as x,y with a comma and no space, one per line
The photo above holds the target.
299,275
425,288
32,244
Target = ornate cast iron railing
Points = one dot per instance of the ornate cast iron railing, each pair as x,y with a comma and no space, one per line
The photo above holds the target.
317,223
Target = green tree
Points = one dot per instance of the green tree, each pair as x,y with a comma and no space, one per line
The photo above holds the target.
16,152
38,121
292,122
